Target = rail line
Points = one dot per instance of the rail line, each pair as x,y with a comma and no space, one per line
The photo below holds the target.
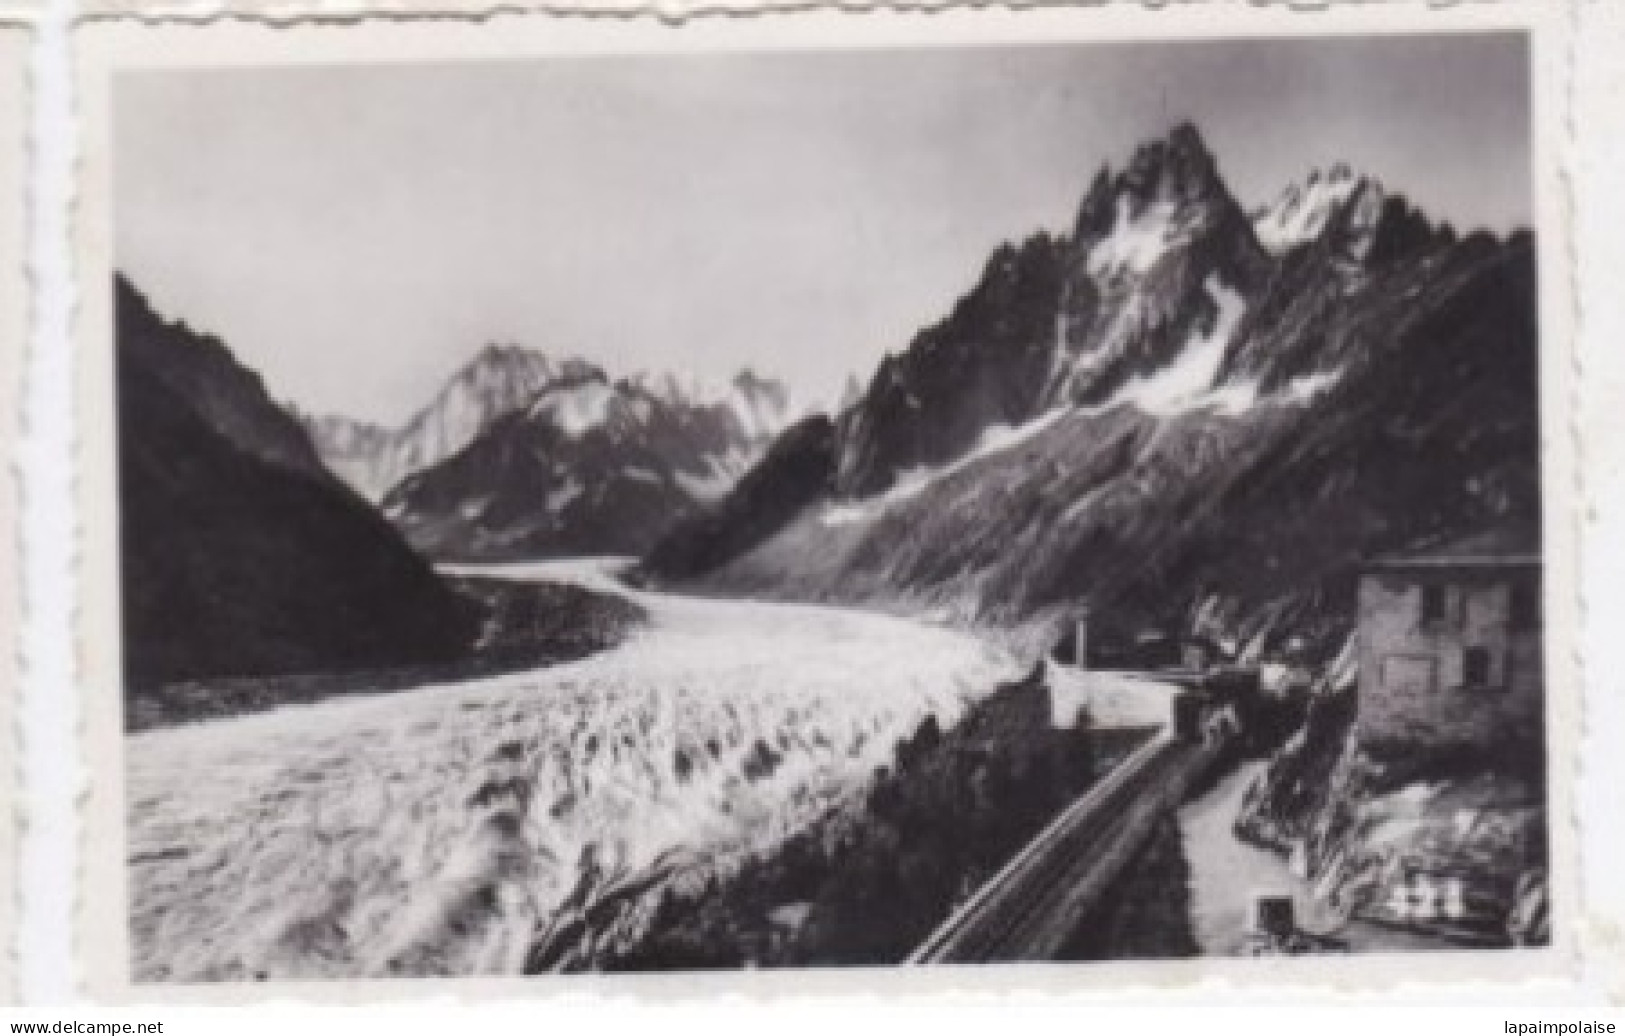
1033,906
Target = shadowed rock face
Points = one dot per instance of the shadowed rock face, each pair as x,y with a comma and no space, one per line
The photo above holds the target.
1157,414
797,472
521,455
199,370
985,364
241,555
1061,320
588,466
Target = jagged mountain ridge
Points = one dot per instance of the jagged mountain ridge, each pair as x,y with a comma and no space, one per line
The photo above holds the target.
760,405
502,500
373,458
228,399
1062,320
496,382
1299,214
591,465
1176,402
242,556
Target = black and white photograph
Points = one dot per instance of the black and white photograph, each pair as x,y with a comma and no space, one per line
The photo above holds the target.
831,507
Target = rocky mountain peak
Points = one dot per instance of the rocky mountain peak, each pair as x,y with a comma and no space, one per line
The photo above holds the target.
670,387
1096,213
1303,211
1175,168
1365,227
1204,427
1350,216
1169,201
497,380
590,462
749,381
501,362
500,352
762,405
745,390
1173,172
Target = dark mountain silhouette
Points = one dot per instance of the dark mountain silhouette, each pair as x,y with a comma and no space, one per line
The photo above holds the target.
796,473
241,554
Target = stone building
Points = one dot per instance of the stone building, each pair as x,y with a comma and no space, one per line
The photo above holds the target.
1450,645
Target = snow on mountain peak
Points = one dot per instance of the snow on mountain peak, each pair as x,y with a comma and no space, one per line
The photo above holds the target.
497,380
678,389
762,406
1302,211
575,407
1136,241
1365,216
1189,376
1169,191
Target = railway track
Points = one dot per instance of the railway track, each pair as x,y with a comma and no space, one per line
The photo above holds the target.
1031,908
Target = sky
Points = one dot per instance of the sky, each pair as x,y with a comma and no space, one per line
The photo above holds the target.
356,234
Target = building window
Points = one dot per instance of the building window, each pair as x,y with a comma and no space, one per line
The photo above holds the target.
1433,605
1475,667
1525,607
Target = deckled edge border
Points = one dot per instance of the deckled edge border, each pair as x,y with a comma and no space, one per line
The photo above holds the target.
1597,168
295,12
16,54
1344,977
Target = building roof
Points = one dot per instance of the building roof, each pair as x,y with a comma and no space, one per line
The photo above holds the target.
1509,547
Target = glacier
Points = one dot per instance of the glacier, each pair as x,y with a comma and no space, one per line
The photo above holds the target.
442,830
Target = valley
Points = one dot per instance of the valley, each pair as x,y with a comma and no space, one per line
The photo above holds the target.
582,669
452,829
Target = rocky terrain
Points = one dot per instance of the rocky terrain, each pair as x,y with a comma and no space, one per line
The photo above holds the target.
870,881
1374,826
1175,410
253,577
373,459
1189,417
589,466
1203,422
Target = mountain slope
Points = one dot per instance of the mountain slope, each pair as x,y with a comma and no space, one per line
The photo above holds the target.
1155,250
373,459
589,466
241,555
797,472
1161,416
231,402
